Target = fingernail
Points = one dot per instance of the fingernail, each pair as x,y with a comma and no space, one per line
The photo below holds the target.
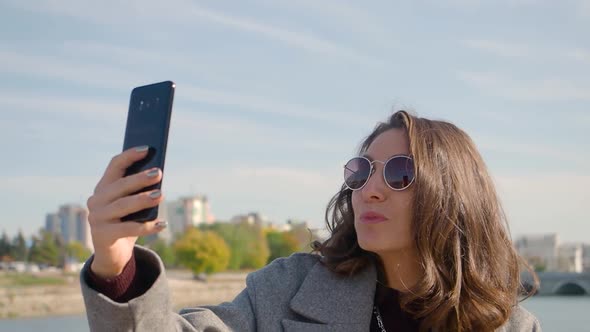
142,148
162,224
155,194
153,173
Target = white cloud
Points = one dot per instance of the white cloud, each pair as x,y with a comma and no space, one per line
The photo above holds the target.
500,48
527,90
188,13
67,70
126,56
98,120
295,39
584,8
579,54
113,77
47,187
223,130
86,108
522,49
267,106
54,120
345,15
523,148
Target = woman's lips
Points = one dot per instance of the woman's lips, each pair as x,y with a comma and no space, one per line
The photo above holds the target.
372,218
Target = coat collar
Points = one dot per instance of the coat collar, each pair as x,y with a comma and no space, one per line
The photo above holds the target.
329,298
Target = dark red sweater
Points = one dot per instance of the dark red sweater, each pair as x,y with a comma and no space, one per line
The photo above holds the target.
134,281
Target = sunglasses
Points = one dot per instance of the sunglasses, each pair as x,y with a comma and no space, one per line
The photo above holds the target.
398,172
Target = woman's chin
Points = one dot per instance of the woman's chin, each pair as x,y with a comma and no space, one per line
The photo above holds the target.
379,246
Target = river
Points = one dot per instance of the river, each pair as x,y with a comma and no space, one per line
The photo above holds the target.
556,313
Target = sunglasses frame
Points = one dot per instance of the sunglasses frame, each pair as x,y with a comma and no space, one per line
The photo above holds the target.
372,170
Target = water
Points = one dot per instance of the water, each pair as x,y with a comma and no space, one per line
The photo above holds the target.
560,313
46,324
556,313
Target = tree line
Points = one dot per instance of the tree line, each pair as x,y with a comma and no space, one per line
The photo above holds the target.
45,249
228,246
204,250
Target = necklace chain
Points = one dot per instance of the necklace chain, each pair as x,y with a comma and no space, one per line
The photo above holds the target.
379,321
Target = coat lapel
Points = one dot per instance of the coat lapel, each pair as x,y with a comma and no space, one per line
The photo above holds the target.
331,299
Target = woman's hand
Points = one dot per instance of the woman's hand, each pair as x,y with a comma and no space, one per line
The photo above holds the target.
114,240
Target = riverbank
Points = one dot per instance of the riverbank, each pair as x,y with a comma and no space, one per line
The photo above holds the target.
66,298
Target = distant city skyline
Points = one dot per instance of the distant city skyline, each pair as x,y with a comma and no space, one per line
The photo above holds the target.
274,96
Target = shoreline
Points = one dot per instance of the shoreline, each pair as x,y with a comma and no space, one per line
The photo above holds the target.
66,300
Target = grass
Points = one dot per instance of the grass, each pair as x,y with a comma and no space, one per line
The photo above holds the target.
23,280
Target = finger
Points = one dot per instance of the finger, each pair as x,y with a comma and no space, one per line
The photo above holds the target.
129,204
128,185
127,229
117,166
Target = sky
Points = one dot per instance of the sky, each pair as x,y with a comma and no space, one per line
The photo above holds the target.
274,96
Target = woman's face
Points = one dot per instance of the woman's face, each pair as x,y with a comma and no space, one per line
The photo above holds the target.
394,233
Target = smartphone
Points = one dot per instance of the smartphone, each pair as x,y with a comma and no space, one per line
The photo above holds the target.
148,122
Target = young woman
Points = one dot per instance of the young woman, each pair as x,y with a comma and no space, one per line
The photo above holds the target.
418,242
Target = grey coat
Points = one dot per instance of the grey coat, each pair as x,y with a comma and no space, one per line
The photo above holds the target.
290,294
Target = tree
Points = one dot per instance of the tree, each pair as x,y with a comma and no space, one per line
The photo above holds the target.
5,247
281,244
141,241
44,250
78,251
19,247
165,252
202,251
247,243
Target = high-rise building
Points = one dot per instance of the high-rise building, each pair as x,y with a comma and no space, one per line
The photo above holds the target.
570,258
586,258
83,234
53,223
547,253
252,218
68,215
541,251
188,211
71,223
164,234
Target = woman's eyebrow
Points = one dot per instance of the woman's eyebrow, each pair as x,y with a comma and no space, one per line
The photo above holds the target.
366,155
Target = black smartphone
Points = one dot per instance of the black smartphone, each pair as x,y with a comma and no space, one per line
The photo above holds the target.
148,122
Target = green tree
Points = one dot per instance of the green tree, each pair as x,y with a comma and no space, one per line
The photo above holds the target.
44,249
19,247
78,251
165,252
247,243
202,251
5,247
281,244
141,241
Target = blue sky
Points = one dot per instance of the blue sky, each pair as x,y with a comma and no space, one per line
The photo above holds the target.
274,96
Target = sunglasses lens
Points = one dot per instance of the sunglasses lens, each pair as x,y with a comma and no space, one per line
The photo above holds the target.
356,172
399,172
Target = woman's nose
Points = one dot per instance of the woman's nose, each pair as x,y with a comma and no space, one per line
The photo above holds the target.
374,189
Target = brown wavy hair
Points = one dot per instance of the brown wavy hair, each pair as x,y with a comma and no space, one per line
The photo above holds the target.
471,279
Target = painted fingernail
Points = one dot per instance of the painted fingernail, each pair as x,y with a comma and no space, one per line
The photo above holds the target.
153,173
162,224
155,194
142,148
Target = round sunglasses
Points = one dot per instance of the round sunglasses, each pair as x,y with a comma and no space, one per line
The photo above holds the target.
398,172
